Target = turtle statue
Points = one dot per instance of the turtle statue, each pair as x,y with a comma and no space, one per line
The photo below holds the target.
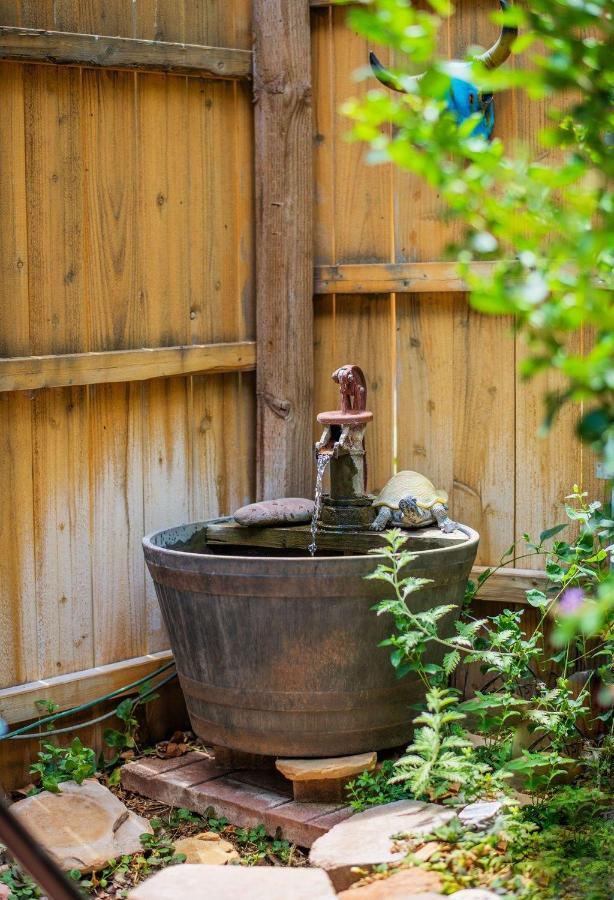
410,500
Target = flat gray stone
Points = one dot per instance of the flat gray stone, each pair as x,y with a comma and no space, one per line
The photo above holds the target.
285,511
83,826
235,883
480,815
365,839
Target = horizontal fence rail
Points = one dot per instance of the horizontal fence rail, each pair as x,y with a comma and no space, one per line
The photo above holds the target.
64,370
59,47
375,278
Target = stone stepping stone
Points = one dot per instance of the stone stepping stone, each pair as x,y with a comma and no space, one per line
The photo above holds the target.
324,779
286,511
83,826
480,815
410,882
206,848
365,840
235,883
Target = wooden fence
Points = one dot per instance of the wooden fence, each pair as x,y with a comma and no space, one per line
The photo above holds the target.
156,251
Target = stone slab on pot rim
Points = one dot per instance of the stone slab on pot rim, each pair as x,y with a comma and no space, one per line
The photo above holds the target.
190,882
366,838
82,826
333,767
285,511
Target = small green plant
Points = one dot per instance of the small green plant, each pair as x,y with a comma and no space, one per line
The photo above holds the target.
125,739
178,818
374,788
160,850
113,873
20,885
58,764
216,824
259,846
47,708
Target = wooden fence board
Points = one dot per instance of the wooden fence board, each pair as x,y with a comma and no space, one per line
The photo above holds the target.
54,173
420,233
425,402
212,269
116,498
18,619
223,442
116,320
547,466
163,208
364,336
243,239
323,68
363,193
166,476
14,307
483,492
92,16
64,633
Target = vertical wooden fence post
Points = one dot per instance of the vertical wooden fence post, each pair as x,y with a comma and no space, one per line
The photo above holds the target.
284,246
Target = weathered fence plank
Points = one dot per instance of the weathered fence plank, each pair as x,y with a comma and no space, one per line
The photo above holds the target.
33,372
372,278
65,48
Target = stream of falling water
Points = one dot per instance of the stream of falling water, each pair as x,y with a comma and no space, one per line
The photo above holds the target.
322,460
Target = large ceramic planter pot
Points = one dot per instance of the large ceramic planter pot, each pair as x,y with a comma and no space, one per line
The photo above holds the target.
278,655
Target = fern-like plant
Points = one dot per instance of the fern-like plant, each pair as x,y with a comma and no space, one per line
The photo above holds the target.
440,756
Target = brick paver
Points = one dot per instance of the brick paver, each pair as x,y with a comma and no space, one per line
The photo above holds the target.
246,798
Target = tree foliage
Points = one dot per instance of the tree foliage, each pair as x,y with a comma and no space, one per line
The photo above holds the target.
549,227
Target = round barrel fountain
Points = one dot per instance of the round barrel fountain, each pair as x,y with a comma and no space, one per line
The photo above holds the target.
275,641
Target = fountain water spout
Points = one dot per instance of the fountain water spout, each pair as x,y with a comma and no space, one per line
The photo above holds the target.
348,506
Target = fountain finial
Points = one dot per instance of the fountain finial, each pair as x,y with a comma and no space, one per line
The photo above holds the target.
353,399
352,388
342,444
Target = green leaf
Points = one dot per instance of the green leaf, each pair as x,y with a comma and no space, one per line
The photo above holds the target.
115,777
450,661
550,532
114,738
537,598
